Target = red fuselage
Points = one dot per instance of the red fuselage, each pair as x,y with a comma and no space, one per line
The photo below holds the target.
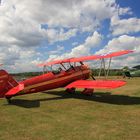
51,81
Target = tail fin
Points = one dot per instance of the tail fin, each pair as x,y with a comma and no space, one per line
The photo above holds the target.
7,82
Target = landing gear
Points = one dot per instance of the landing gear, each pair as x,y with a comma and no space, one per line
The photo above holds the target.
88,91
70,90
9,100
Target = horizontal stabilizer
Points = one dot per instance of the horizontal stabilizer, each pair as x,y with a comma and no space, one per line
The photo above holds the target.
15,90
99,84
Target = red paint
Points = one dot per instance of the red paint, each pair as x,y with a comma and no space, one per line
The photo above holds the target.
99,84
86,58
72,78
43,82
15,90
115,54
6,83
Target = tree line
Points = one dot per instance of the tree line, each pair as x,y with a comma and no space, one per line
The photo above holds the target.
95,72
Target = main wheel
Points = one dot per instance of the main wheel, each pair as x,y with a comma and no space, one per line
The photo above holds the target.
88,91
70,90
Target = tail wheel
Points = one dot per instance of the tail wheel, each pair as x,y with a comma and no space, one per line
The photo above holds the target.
9,100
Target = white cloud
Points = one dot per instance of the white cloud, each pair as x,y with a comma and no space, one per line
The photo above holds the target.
124,26
84,49
54,35
123,42
58,50
74,43
18,59
124,11
24,18
21,33
81,50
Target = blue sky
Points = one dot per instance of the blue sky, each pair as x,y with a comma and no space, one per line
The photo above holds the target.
133,4
37,31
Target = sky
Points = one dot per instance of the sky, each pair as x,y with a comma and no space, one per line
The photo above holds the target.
36,31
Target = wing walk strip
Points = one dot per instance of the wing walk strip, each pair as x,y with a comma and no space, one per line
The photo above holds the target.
56,80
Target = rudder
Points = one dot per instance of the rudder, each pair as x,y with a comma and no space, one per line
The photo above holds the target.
7,82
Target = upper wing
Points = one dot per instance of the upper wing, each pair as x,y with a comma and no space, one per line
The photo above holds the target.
95,57
115,54
55,62
86,58
100,84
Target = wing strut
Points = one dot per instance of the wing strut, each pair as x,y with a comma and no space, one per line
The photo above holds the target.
100,69
109,67
103,67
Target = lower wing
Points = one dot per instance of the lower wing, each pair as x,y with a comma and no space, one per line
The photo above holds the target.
99,84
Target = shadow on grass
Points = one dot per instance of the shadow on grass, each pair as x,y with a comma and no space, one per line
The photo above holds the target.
103,97
25,103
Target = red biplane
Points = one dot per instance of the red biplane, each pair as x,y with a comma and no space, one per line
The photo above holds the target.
71,77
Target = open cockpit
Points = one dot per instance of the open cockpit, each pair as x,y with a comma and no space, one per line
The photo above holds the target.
64,67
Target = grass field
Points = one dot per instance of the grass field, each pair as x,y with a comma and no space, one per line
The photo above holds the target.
55,115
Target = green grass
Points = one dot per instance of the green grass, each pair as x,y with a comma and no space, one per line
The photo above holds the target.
55,115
